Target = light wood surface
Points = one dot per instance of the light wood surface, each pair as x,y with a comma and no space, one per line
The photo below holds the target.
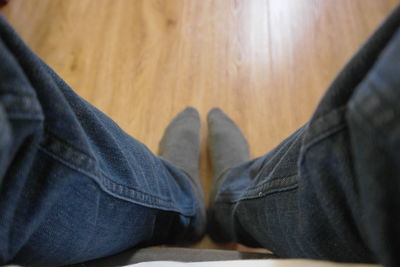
265,63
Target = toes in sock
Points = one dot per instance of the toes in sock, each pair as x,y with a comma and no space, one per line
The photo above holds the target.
226,143
180,144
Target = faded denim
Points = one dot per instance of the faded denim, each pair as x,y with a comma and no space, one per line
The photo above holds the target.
74,186
332,189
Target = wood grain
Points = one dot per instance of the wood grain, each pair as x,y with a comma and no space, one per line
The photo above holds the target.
266,63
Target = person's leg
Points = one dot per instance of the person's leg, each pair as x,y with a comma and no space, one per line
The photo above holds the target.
73,185
329,191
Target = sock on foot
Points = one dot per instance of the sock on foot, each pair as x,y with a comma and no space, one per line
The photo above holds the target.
226,143
180,144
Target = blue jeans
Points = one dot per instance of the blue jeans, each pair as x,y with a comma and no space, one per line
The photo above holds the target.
75,187
332,189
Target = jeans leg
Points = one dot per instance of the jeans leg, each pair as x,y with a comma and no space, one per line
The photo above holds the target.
330,190
73,185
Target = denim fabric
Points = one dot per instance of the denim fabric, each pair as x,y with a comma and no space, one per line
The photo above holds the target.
73,185
331,190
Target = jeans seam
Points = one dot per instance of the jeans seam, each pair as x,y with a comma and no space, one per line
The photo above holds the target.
117,190
321,137
288,183
326,132
102,173
80,159
77,159
21,116
53,144
334,129
263,170
20,104
274,186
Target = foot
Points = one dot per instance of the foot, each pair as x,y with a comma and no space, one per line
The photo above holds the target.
227,145
180,144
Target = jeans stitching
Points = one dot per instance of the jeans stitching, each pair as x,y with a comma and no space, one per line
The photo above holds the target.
67,152
277,185
291,182
117,190
318,136
80,159
110,181
263,171
19,116
24,104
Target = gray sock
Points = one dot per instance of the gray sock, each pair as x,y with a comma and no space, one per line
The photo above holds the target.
226,143
180,144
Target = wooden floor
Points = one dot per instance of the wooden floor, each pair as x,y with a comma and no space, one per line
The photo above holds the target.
266,63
